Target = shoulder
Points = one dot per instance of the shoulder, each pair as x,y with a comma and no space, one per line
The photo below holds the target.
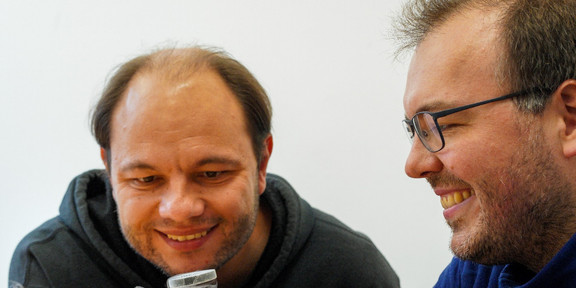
46,257
324,252
340,240
347,257
329,227
24,267
311,222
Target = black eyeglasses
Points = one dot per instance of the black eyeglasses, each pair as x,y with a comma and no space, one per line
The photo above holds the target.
425,123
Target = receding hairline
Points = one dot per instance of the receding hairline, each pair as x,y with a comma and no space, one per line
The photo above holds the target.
179,63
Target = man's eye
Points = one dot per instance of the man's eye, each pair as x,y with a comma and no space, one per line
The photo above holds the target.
448,128
146,179
212,174
444,127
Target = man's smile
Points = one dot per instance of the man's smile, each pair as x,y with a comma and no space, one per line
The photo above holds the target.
456,197
187,237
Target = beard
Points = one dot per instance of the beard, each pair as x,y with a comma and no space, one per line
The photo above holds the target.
141,239
525,208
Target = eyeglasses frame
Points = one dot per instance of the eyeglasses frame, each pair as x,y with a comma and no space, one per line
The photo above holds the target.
443,113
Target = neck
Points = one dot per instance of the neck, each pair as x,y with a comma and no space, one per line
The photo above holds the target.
541,255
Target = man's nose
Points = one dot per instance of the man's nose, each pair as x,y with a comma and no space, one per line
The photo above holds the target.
421,162
181,202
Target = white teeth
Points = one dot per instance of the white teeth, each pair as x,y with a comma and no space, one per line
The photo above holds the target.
457,197
187,237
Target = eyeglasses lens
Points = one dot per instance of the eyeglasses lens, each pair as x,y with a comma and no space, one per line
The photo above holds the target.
408,129
428,131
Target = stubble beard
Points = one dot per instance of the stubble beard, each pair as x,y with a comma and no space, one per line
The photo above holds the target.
524,214
141,242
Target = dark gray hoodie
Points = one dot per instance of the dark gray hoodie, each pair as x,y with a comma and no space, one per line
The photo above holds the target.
84,247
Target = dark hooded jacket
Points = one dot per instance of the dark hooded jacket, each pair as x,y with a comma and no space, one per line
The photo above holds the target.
84,246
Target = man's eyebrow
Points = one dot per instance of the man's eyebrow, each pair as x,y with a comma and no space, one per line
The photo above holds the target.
435,106
429,107
136,166
218,160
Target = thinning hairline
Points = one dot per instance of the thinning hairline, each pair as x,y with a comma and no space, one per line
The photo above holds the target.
178,63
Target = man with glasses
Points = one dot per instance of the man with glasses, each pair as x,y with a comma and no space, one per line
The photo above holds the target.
491,97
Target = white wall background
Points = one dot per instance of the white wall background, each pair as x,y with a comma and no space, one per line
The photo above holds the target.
327,66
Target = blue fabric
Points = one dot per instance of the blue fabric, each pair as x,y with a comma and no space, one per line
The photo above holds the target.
558,273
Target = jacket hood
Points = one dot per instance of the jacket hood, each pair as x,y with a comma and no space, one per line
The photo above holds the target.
87,211
284,200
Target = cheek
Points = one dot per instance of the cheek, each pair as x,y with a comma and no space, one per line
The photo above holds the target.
462,161
134,211
474,157
237,199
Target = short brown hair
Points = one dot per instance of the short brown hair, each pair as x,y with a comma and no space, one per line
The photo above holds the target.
539,37
183,62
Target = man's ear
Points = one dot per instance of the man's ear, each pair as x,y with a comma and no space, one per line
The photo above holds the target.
263,165
567,92
104,157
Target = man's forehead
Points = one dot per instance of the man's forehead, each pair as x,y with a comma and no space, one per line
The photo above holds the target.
152,101
155,85
457,56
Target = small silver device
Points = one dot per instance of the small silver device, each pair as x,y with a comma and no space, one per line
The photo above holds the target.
196,279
